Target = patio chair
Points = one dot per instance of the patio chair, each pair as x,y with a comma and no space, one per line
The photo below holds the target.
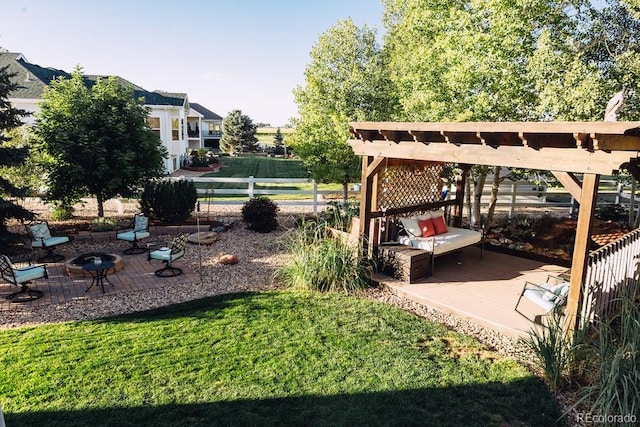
21,277
41,238
550,295
168,254
139,231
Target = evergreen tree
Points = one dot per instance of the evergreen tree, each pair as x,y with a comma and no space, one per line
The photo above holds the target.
238,133
9,156
278,142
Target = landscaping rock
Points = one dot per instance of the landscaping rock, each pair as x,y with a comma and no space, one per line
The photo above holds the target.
228,259
203,238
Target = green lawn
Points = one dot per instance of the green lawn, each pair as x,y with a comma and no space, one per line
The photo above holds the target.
260,167
272,358
265,167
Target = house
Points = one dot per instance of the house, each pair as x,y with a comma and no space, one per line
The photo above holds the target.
204,128
167,115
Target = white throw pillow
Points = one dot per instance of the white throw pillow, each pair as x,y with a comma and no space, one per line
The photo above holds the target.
411,226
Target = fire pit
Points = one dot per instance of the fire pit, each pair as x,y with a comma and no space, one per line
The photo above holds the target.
74,267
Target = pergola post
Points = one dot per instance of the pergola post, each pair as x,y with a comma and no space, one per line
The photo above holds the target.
588,196
370,167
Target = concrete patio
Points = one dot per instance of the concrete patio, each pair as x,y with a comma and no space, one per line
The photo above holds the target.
483,290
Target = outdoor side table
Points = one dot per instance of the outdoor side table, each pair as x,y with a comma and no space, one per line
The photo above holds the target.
403,262
98,273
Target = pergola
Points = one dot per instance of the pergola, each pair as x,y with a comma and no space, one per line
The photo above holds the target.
564,148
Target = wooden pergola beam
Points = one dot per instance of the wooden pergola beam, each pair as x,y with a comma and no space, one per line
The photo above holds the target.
547,158
570,182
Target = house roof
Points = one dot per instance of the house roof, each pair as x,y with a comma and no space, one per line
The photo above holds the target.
206,113
32,79
170,98
582,147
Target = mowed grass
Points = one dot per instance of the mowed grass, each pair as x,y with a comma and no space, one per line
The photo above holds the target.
265,167
272,358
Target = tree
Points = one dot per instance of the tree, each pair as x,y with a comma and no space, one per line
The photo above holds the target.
278,142
98,140
612,44
9,156
491,60
238,133
345,80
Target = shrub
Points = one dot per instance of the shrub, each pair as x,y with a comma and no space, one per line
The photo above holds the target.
260,213
339,214
612,211
104,224
603,356
615,389
169,201
553,350
62,211
321,263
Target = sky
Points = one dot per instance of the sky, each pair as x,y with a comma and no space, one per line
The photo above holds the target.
225,55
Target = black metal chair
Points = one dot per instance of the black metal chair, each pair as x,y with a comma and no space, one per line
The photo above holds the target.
41,238
139,231
21,277
168,254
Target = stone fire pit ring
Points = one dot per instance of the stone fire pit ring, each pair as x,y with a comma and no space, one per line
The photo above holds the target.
74,266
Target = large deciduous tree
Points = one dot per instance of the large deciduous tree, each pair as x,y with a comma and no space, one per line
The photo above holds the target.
491,60
345,80
238,133
10,118
98,140
612,44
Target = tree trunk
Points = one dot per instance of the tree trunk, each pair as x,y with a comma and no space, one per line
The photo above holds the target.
467,193
494,195
100,201
477,196
345,192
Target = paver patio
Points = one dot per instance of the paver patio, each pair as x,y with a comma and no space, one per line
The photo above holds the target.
136,275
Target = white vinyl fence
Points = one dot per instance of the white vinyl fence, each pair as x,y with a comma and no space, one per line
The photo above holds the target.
512,194
247,187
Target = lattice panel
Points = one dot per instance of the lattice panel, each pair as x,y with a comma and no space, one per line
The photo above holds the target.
409,184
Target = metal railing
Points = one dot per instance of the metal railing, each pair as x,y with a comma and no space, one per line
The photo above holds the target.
610,271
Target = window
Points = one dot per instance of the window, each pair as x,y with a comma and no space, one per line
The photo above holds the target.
175,130
154,124
214,129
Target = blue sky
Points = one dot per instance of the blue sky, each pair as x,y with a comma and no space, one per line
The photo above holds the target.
244,54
